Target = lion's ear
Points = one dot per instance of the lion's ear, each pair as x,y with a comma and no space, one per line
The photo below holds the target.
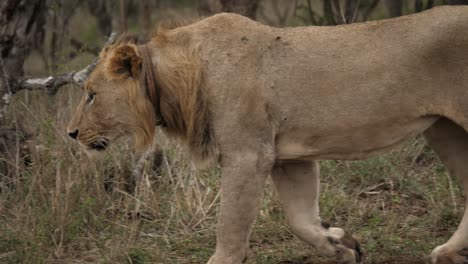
123,62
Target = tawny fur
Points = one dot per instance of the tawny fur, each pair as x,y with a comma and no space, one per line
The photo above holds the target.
184,103
123,62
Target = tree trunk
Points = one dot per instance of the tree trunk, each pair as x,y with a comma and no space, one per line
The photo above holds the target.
145,13
101,11
21,30
394,7
62,12
418,6
369,10
123,16
351,11
246,8
349,14
457,2
328,13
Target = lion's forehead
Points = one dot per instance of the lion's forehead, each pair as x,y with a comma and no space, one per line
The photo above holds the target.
96,79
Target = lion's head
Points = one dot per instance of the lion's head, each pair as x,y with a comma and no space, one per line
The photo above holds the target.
114,103
121,98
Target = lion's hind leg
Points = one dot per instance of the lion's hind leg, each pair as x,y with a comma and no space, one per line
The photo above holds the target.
450,142
297,183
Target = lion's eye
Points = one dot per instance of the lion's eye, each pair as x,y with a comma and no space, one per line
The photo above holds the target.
90,98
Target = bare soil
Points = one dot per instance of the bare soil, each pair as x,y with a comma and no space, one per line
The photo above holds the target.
386,260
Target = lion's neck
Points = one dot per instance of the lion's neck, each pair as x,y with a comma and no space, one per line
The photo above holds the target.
149,81
183,104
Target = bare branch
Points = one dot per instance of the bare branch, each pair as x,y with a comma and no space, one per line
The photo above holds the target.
52,83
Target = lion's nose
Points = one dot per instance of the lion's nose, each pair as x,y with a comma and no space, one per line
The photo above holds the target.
73,134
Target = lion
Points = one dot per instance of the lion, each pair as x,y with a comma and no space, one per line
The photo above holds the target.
263,101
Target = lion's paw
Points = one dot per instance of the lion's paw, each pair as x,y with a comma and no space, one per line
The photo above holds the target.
349,250
445,255
234,259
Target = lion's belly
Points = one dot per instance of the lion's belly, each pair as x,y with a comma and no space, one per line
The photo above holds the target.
356,143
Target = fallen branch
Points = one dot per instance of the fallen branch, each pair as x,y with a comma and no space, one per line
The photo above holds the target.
51,84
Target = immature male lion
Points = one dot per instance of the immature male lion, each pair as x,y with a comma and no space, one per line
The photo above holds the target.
268,101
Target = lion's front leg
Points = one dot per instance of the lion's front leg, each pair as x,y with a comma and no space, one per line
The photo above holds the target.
242,185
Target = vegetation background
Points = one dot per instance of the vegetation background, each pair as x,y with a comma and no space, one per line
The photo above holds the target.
56,206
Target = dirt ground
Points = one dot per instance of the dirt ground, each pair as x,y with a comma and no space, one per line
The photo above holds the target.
389,260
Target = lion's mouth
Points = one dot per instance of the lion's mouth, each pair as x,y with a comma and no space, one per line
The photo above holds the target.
99,145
